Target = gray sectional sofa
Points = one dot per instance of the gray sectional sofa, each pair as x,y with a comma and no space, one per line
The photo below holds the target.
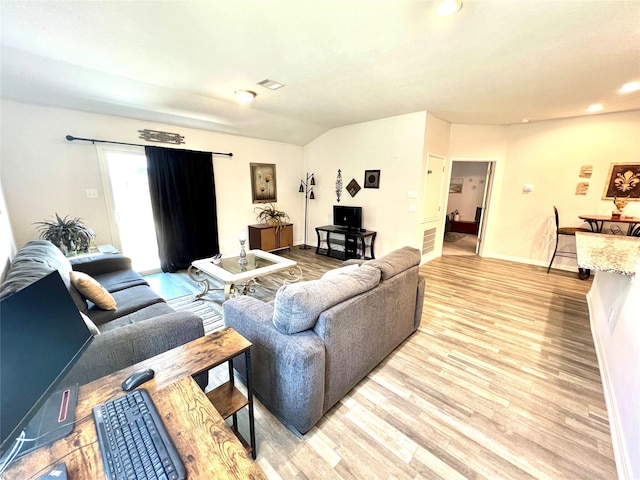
319,338
141,326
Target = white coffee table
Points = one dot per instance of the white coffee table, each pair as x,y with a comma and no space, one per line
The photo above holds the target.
237,277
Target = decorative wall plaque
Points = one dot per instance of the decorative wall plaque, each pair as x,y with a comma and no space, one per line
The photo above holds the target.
586,171
582,188
161,137
339,185
353,187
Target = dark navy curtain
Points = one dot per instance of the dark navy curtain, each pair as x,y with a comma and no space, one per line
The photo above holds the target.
183,199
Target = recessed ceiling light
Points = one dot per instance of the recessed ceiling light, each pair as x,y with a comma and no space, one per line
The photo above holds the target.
526,120
270,84
448,7
245,97
596,107
630,87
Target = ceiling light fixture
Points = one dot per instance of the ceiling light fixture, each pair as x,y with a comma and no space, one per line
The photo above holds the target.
596,107
448,7
630,87
245,97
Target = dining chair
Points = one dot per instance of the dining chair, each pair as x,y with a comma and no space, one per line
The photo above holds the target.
570,231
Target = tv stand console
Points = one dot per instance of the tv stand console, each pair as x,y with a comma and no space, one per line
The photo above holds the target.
343,243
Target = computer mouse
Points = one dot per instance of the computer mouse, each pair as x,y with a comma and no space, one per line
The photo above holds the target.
137,378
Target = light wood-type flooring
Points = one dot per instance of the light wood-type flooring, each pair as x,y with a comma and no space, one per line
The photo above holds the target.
500,381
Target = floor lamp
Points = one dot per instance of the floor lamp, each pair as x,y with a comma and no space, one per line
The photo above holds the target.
306,187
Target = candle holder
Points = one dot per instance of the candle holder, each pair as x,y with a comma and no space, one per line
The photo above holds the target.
243,255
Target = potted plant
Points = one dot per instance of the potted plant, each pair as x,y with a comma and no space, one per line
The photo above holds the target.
270,215
69,234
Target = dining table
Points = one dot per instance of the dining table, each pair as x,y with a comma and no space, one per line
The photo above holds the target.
596,222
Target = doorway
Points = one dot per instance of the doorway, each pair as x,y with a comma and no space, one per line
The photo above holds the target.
467,206
126,186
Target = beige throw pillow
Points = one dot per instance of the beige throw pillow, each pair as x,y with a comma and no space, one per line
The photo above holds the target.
93,291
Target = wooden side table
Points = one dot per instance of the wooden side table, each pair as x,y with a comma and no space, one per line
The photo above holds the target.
228,400
206,444
269,237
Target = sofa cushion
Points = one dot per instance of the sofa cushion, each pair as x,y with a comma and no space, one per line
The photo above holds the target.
35,260
120,280
297,306
396,262
93,291
128,301
137,316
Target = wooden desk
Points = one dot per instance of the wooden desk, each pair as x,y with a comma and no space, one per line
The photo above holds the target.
207,446
596,222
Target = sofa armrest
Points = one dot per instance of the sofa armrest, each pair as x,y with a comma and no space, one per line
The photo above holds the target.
352,261
130,344
101,263
288,370
419,303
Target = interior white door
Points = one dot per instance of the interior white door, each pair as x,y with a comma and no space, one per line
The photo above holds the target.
434,176
486,197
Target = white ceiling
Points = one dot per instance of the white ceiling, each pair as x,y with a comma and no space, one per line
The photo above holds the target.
342,61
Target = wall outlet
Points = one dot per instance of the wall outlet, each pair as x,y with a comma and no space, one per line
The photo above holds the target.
412,208
91,193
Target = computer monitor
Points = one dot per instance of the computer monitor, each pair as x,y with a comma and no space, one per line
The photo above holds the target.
42,335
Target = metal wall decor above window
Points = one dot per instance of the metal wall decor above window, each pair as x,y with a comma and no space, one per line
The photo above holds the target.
161,137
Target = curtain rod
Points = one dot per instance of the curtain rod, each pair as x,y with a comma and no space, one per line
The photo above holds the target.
71,138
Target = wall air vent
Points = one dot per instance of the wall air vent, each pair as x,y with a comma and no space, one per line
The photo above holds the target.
428,241
270,84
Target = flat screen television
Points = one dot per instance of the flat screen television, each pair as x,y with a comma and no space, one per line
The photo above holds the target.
42,335
347,217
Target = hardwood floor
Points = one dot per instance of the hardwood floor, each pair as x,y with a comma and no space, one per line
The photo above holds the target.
459,244
500,381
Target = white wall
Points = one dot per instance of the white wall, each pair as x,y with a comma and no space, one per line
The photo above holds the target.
547,155
613,311
392,145
43,173
7,247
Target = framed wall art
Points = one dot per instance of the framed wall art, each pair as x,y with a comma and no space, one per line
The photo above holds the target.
623,181
263,183
372,179
455,186
353,187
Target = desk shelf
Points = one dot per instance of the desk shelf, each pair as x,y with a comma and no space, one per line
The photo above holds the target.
227,399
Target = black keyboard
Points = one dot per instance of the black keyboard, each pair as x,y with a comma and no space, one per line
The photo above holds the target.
133,441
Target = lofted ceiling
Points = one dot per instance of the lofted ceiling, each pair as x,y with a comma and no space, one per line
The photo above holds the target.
342,61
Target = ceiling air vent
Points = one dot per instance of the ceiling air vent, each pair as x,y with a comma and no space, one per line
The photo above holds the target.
270,84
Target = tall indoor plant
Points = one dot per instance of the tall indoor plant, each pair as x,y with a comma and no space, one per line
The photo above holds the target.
69,234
